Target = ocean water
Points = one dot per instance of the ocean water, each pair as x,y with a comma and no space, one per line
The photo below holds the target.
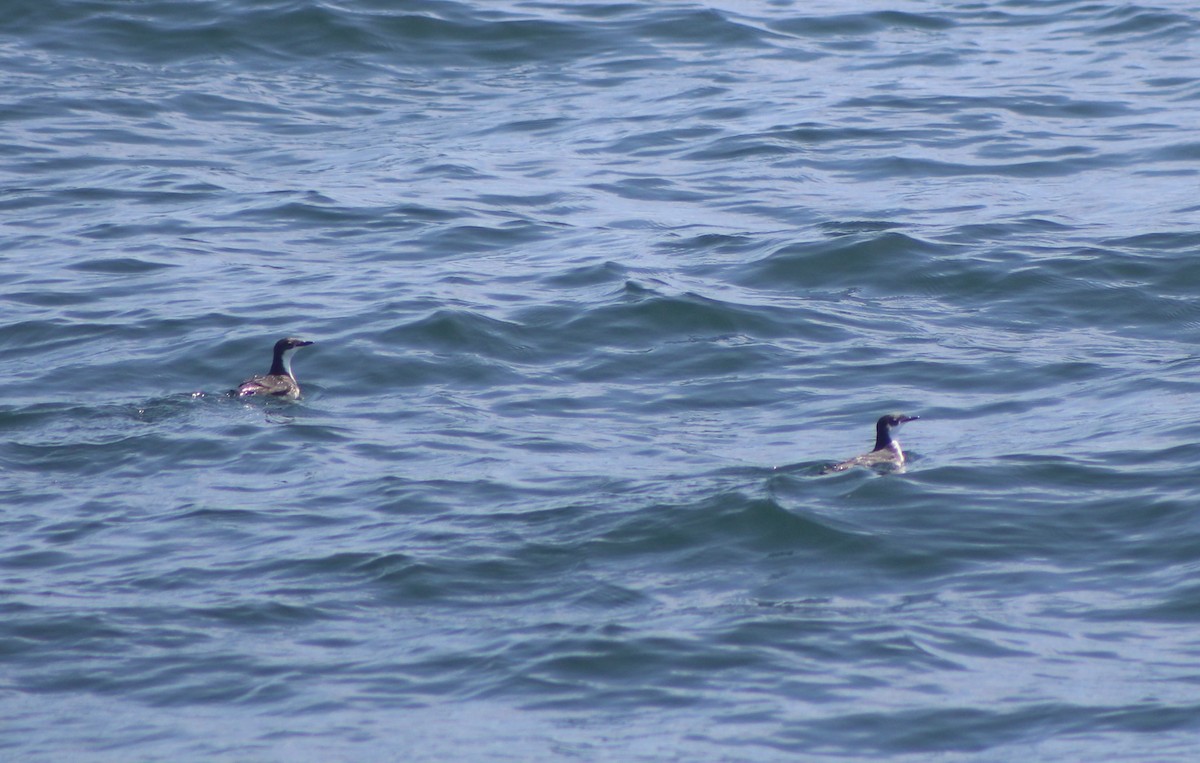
597,290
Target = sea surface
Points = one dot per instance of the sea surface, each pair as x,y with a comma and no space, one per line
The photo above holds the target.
597,290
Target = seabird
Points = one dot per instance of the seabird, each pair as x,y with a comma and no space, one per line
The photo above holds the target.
886,452
279,381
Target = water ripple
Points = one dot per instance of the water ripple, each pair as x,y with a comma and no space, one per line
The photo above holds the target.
597,290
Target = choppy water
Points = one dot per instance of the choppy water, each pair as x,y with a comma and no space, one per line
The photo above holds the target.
597,290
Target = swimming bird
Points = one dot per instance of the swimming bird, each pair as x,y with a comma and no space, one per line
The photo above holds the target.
886,452
279,381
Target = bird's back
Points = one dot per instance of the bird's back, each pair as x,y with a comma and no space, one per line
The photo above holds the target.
890,456
275,385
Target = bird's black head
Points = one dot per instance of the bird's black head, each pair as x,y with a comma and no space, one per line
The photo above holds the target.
885,425
281,363
290,343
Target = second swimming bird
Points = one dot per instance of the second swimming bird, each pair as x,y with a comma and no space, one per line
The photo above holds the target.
886,452
279,381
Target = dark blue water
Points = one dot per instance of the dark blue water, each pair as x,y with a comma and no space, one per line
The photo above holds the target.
597,291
